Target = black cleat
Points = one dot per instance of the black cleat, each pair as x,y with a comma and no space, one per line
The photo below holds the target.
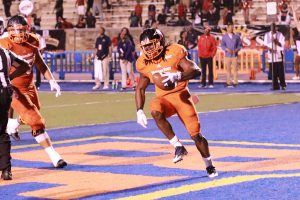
211,171
16,136
6,174
179,153
61,164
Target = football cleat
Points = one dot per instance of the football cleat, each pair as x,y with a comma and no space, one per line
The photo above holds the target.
211,171
61,164
179,153
6,174
12,128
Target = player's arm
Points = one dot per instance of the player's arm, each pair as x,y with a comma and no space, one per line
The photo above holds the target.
140,91
44,69
20,64
190,69
140,100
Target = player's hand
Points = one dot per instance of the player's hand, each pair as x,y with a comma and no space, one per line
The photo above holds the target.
141,118
170,76
55,86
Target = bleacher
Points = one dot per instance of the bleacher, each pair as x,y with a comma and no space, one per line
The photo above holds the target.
259,11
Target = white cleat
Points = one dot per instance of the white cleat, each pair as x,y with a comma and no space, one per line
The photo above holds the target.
211,172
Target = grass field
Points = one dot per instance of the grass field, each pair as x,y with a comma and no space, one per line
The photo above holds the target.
73,109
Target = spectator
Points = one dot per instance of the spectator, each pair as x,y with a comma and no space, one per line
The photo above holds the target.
129,36
152,11
181,10
90,20
6,5
213,16
162,17
81,22
195,7
134,20
230,5
296,37
97,9
191,34
184,41
80,7
198,18
89,6
125,49
284,20
62,23
173,21
149,22
108,6
274,42
227,16
207,48
59,9
246,5
102,58
231,44
139,11
168,4
36,21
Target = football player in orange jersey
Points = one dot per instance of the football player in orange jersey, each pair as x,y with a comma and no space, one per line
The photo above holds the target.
171,61
25,101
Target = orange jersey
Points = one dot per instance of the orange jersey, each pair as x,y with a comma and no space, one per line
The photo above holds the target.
27,51
173,55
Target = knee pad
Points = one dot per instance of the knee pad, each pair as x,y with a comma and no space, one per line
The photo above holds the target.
36,133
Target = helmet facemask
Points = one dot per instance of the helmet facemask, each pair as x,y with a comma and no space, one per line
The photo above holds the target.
151,48
18,33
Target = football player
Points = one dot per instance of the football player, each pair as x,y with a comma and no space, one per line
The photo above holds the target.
172,63
25,101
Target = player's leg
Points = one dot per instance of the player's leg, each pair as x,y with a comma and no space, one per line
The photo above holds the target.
5,144
130,73
97,73
160,110
187,113
105,65
27,108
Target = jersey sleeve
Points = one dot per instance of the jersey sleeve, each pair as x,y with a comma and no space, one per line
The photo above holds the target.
140,66
4,43
179,51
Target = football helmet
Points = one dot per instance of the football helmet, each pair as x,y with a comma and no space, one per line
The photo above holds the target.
152,43
18,29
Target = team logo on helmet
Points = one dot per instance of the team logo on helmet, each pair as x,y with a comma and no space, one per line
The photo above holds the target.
18,29
152,43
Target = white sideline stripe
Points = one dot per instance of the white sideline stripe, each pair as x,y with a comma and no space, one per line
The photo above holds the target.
88,103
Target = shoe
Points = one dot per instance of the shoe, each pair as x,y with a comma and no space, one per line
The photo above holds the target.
283,88
6,174
211,86
105,88
202,86
61,164
296,78
16,136
228,85
123,89
235,85
211,171
96,87
179,153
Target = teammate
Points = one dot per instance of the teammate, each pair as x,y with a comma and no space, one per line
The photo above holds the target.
171,61
7,60
26,102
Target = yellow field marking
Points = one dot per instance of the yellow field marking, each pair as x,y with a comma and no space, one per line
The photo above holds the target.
206,185
159,139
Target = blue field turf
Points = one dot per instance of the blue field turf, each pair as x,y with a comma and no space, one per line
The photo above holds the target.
276,125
